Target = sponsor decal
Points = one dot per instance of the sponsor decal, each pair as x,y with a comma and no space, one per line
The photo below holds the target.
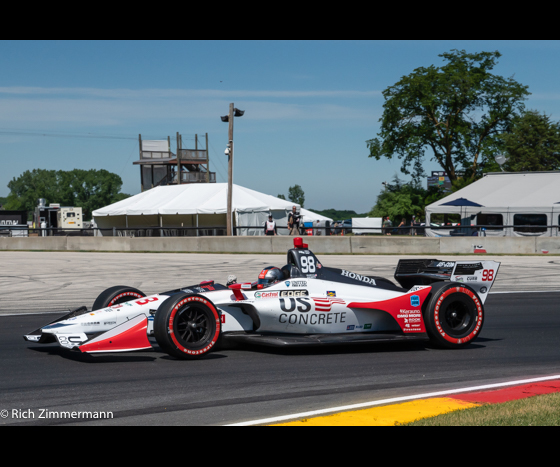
301,313
325,304
358,277
443,264
108,323
287,283
367,326
91,324
293,293
414,300
297,284
312,318
331,293
291,303
459,279
266,294
350,328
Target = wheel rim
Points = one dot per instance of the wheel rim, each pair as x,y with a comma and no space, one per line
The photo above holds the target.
192,326
458,316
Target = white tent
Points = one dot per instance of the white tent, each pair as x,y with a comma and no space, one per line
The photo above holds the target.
501,199
199,205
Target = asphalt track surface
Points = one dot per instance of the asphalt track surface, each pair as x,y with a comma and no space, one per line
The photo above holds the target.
520,339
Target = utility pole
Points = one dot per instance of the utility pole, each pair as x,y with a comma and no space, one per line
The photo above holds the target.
207,161
229,225
178,159
229,152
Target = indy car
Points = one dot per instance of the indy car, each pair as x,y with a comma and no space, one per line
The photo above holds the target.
303,303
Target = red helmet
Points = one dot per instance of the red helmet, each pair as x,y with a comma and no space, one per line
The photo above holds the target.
269,276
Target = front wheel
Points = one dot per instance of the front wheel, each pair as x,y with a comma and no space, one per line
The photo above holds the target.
116,296
187,326
454,315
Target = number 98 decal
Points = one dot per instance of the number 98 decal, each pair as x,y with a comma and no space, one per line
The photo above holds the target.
488,275
307,264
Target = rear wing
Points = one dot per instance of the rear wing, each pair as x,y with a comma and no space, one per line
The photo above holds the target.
479,275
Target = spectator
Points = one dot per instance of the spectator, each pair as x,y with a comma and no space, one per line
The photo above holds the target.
402,224
387,224
270,226
294,219
412,229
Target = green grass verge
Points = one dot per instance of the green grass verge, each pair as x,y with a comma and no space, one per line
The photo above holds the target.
533,411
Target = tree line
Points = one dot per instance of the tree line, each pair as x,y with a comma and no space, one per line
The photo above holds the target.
460,116
88,189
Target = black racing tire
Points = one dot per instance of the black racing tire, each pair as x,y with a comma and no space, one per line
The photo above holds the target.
454,315
115,296
187,326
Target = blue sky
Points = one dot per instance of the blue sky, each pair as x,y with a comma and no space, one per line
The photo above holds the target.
309,106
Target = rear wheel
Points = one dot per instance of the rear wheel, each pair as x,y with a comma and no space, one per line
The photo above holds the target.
454,315
116,296
187,326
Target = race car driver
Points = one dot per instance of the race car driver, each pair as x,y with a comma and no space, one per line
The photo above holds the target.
268,276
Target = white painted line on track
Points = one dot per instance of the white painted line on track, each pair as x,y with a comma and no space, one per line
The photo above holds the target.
346,408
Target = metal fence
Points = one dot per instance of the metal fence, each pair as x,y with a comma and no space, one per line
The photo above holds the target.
454,231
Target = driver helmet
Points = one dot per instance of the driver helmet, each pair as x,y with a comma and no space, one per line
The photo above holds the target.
270,275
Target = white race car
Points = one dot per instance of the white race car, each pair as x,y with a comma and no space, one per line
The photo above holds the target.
303,303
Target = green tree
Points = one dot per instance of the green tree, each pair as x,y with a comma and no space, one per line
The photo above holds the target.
88,189
400,200
533,144
281,197
456,111
296,195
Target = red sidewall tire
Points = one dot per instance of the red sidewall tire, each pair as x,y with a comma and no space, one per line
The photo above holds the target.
167,321
115,296
455,315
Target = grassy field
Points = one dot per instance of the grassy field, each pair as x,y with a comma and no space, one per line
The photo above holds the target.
533,411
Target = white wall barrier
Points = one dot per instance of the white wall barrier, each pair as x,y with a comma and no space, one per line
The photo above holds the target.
335,245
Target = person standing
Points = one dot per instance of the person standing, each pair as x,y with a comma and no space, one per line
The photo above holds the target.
294,219
387,224
270,226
